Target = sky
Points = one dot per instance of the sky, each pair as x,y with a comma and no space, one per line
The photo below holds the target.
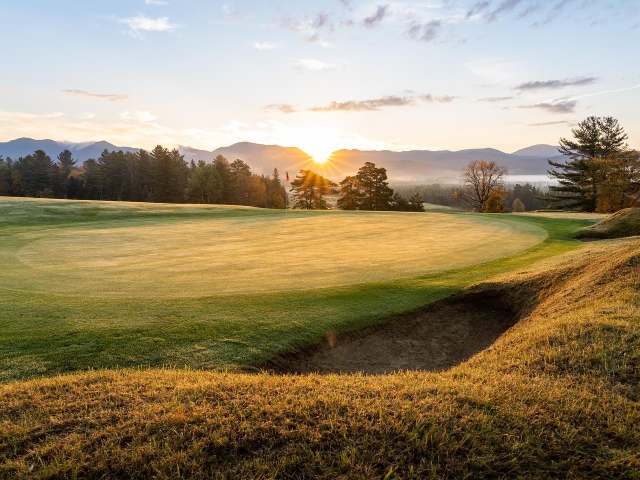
321,75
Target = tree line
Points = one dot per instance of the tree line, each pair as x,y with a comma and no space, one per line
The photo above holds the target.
602,175
160,175
367,190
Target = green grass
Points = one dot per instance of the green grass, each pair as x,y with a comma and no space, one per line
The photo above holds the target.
557,396
68,304
624,223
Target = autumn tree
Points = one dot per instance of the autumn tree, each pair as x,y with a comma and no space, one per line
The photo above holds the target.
310,189
517,206
483,186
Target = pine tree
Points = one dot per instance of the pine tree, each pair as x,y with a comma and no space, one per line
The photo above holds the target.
310,189
597,140
376,194
416,204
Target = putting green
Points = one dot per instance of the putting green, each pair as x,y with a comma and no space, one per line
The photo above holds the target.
226,254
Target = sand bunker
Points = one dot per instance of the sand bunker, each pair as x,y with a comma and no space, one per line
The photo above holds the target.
435,338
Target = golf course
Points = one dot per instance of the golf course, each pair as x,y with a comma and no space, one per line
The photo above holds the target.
108,285
184,341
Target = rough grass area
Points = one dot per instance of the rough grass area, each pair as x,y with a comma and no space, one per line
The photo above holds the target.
625,223
558,396
86,308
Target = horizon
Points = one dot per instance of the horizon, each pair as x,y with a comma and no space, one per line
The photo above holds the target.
446,74
190,147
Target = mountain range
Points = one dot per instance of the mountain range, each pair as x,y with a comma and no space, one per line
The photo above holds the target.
417,166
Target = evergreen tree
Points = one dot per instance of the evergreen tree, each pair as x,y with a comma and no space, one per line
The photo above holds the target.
597,141
376,194
351,195
310,189
224,173
416,204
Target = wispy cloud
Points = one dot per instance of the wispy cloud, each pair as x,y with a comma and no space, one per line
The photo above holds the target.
317,65
604,92
425,32
547,124
310,28
102,96
366,105
281,108
232,13
495,99
556,84
371,105
141,23
375,19
561,107
138,116
265,45
503,7
155,2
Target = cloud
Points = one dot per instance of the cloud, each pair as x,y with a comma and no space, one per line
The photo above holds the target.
546,124
309,64
281,108
595,94
425,32
555,84
409,98
439,99
495,99
366,105
265,45
141,23
138,116
567,106
477,8
155,2
345,3
375,19
503,7
310,28
102,96
229,10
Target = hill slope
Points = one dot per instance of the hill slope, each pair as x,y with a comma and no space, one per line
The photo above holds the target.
557,396
625,223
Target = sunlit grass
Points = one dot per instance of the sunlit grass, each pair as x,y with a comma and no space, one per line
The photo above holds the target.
62,316
556,397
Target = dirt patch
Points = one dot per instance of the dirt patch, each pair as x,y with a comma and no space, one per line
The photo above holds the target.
435,338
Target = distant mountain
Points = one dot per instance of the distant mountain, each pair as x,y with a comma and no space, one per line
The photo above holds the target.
82,152
540,150
419,166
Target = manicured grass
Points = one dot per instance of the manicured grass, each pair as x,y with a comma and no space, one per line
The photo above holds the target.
557,396
67,305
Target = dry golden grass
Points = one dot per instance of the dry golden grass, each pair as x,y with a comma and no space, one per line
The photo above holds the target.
557,396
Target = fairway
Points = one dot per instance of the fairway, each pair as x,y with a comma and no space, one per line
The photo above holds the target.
224,255
114,284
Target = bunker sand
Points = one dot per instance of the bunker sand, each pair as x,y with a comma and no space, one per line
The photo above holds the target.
435,338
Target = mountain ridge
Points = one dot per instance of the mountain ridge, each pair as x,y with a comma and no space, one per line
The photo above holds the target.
442,166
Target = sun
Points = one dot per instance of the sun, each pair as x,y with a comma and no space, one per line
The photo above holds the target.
318,146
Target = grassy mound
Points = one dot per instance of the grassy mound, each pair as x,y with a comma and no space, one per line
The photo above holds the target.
557,396
625,223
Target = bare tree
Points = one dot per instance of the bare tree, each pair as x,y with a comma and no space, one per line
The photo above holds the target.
483,186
